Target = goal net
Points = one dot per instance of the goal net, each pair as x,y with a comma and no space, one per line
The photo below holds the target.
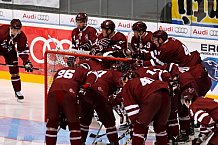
55,60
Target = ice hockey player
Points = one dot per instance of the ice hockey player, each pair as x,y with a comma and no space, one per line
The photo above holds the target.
83,36
141,42
171,50
62,99
140,95
111,40
12,38
96,97
205,112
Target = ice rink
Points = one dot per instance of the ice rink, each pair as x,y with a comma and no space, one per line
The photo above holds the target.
22,123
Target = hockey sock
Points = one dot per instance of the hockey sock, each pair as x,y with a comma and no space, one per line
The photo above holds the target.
75,133
112,135
184,122
139,133
173,128
51,132
84,132
16,83
161,135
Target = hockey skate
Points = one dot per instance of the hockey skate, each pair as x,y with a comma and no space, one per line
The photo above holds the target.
19,97
183,137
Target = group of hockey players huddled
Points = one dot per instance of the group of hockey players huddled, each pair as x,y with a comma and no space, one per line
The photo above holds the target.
158,81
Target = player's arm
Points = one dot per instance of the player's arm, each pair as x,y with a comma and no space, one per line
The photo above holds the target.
73,36
119,47
23,52
172,68
87,45
130,105
202,117
92,36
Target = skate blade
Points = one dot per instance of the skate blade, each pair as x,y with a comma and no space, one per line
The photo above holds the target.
20,100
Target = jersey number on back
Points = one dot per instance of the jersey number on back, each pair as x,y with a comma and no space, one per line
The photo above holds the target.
67,74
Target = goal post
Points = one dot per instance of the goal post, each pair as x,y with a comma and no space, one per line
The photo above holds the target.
55,60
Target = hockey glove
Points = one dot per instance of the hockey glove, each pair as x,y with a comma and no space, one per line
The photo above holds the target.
28,66
83,89
103,43
6,48
85,46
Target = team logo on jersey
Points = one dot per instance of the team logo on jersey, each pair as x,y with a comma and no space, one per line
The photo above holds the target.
211,65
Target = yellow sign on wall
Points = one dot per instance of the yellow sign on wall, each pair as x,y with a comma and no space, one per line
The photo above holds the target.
195,12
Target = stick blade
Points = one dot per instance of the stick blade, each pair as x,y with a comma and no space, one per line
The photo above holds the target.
92,135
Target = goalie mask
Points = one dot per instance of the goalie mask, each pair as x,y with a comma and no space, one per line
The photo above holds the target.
71,61
188,96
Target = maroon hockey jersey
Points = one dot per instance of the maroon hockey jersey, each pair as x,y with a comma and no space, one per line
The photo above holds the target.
68,79
196,71
137,90
20,41
154,73
174,51
84,39
108,81
204,110
143,44
117,42
92,64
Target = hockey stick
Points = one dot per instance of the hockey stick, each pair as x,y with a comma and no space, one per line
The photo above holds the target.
11,65
92,135
97,133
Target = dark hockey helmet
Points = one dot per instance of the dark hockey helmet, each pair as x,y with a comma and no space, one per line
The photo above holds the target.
71,61
108,24
188,96
16,24
82,17
139,26
129,75
160,34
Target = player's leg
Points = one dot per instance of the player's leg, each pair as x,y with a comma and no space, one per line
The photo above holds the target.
184,122
106,116
52,119
160,119
11,58
173,123
86,114
71,111
144,117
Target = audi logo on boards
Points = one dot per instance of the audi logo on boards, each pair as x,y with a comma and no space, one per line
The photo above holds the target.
42,17
46,45
92,22
181,30
213,33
